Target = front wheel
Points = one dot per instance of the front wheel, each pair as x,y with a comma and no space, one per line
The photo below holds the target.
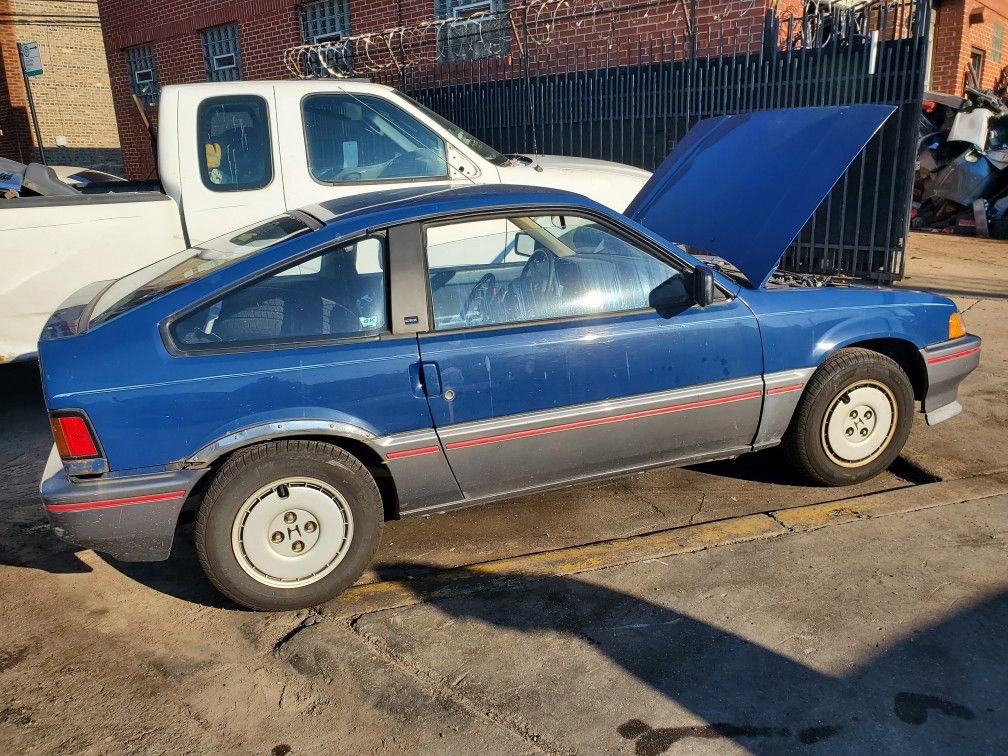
853,418
288,524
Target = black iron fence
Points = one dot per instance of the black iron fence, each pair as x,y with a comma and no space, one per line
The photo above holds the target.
631,100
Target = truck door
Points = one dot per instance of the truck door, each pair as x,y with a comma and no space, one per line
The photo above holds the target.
230,170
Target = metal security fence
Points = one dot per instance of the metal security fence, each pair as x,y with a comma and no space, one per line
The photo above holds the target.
630,99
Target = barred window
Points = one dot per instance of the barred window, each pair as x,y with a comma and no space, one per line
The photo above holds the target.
221,53
479,29
143,76
325,21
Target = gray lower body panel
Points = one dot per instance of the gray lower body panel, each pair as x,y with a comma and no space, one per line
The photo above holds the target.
132,518
520,452
948,363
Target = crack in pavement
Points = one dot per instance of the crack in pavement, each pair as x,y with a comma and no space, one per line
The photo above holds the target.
446,691
703,499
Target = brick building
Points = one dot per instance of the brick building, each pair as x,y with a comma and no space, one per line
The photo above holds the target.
177,41
72,97
965,34
152,43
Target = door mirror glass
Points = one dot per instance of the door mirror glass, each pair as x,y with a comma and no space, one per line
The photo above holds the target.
670,297
524,244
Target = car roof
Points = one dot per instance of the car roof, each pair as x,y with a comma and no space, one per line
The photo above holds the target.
408,204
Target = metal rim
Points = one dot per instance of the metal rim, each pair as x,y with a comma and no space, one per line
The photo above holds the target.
292,532
860,423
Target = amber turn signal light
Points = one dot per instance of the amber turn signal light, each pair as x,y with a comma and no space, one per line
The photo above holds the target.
956,327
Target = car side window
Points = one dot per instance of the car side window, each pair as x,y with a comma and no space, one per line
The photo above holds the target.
526,268
234,139
352,138
330,296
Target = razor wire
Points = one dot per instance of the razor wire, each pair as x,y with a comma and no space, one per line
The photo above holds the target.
479,34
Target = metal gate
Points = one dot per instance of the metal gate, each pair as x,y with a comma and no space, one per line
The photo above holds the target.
630,98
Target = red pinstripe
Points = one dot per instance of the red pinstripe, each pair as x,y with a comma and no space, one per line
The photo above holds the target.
785,389
115,502
947,357
413,452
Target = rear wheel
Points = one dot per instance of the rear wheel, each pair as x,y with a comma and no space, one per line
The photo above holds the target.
853,418
288,524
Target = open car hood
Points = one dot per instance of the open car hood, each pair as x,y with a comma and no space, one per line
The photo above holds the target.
742,186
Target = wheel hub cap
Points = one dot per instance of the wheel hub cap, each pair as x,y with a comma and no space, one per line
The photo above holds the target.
292,532
859,423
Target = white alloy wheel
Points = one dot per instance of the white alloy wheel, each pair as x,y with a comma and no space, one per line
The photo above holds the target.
292,532
859,423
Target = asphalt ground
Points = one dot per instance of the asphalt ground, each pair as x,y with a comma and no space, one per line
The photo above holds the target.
724,607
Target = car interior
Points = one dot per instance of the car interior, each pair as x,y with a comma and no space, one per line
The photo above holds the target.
537,269
338,294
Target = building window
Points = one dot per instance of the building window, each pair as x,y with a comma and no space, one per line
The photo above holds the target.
977,63
996,33
325,21
221,52
143,77
478,29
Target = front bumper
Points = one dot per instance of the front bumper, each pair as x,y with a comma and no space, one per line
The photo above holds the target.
132,518
947,364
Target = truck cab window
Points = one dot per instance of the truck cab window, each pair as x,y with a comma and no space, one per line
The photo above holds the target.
352,137
234,139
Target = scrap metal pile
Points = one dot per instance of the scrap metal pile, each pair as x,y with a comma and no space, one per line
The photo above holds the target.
961,184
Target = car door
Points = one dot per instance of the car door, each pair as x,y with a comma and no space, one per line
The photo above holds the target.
544,362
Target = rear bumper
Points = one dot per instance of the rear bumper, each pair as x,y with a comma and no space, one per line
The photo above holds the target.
132,519
947,364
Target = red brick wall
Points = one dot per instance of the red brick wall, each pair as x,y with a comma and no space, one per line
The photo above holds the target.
16,142
954,35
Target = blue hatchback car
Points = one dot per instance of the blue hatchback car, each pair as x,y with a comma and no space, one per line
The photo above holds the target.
303,380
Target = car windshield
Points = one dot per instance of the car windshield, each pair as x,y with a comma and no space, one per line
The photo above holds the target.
482,149
190,265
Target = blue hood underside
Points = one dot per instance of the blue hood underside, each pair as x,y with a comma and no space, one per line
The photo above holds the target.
742,186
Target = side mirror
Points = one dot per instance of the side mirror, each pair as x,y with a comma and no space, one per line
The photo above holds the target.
524,244
670,297
703,285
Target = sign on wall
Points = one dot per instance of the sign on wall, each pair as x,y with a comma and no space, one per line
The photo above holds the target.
31,58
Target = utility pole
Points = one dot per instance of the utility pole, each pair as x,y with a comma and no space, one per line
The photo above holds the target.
31,65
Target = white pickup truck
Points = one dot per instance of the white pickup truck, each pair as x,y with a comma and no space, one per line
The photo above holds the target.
231,154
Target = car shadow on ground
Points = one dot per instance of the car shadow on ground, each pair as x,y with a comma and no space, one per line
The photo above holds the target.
944,684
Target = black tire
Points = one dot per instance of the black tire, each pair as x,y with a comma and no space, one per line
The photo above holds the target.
247,473
807,441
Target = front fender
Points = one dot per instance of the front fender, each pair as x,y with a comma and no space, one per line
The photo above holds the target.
858,330
802,327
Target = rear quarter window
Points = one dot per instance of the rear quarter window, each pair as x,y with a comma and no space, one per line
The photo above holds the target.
190,265
338,294
234,138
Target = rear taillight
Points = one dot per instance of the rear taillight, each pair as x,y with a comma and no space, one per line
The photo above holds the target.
73,436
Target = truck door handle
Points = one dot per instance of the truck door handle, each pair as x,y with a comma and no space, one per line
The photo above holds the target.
431,377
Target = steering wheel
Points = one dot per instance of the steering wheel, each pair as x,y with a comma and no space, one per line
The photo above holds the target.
478,299
412,164
539,277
